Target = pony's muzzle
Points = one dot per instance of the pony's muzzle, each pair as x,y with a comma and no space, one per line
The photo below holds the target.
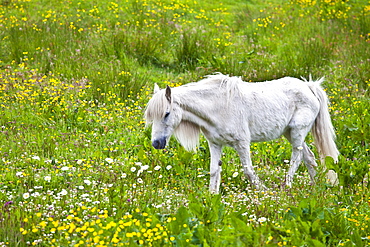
159,143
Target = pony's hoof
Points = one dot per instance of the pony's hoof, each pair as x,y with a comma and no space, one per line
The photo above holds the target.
286,185
259,186
214,192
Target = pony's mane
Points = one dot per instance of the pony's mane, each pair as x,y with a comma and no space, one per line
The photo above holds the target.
187,133
223,82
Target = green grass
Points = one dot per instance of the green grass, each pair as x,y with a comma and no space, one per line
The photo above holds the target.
77,166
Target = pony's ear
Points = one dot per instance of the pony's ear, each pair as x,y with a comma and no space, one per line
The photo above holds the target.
168,93
156,88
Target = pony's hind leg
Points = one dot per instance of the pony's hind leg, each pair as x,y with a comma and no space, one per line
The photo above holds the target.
215,168
295,160
309,161
300,152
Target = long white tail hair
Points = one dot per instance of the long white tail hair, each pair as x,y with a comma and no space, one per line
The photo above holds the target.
322,129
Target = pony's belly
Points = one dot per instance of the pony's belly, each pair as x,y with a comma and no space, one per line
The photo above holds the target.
230,136
263,136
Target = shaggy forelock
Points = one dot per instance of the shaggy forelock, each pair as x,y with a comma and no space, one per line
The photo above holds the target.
156,107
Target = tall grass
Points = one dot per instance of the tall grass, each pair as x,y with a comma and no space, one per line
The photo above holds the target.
77,166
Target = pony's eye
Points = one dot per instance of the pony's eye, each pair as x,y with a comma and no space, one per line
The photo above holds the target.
167,114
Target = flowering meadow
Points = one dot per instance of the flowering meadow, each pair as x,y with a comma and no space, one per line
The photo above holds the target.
76,163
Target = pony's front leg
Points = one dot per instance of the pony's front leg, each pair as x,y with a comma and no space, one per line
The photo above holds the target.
215,169
243,150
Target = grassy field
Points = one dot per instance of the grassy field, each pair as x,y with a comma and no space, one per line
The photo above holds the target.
77,167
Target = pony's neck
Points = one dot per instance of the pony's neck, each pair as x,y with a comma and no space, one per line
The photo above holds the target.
198,104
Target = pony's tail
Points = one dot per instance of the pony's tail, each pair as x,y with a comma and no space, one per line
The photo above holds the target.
322,129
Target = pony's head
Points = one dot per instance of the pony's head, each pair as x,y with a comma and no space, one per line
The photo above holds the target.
164,115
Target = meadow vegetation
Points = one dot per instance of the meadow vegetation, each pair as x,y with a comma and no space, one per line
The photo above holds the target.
77,167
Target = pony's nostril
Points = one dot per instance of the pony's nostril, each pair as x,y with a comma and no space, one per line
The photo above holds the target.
156,144
159,143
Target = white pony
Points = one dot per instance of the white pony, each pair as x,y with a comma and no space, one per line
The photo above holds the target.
231,112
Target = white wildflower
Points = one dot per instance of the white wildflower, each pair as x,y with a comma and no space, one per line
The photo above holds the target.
36,194
87,182
143,168
109,160
26,195
262,219
19,174
63,192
